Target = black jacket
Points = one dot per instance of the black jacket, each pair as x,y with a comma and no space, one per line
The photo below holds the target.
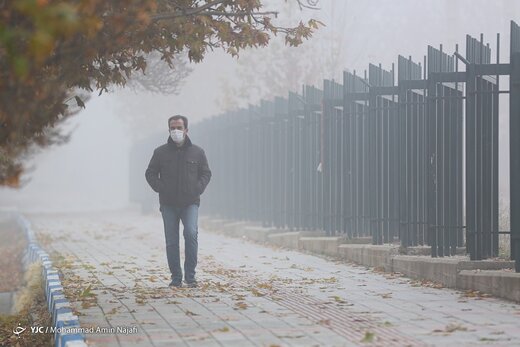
179,174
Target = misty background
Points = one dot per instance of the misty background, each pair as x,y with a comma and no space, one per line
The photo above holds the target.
91,171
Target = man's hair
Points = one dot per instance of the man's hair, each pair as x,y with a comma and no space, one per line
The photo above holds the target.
176,117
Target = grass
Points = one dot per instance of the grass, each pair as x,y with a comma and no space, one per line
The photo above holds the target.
32,311
12,246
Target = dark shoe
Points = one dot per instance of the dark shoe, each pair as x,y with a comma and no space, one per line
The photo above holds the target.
174,284
192,284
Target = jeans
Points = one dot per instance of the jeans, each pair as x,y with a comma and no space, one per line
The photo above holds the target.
171,217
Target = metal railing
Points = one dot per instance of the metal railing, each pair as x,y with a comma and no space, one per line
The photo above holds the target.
413,160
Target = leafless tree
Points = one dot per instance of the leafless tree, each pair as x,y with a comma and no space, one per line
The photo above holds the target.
159,77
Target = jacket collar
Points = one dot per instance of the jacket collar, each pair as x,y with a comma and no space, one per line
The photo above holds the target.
187,142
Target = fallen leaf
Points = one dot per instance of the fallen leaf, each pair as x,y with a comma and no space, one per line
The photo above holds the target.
369,337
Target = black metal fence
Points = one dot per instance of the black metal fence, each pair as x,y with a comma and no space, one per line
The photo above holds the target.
413,160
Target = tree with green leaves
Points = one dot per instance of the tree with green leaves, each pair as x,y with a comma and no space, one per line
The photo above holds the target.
54,53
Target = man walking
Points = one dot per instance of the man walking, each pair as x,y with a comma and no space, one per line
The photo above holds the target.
179,172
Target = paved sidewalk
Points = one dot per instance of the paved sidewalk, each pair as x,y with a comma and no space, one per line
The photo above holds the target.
252,295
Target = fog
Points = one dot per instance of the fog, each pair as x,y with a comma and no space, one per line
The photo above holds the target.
90,172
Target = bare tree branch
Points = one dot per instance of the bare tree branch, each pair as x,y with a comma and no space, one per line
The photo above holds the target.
212,13
159,77
190,11
309,4
201,10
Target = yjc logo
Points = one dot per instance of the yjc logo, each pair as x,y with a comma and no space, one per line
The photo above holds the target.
37,330
18,330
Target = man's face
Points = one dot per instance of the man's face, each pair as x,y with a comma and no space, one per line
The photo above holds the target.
179,125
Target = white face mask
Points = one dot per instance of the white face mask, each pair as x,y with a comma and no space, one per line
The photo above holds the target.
177,135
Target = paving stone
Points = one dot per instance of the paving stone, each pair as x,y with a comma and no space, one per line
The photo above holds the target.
257,295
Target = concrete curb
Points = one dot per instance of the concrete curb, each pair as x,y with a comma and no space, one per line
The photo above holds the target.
453,272
64,322
501,284
379,256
